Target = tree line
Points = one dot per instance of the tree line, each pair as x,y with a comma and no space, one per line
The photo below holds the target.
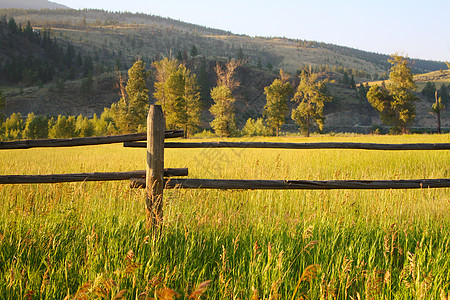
177,90
34,69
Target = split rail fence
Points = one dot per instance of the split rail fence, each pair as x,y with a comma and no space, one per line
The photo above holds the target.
155,178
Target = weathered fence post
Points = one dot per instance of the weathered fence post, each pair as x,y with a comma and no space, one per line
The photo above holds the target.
155,165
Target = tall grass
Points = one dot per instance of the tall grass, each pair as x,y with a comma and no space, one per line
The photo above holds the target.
88,240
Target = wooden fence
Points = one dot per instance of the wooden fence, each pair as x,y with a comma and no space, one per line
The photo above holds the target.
155,178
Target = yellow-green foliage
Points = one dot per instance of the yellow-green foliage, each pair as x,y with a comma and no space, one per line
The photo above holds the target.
88,240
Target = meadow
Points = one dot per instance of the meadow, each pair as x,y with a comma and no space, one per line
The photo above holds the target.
89,240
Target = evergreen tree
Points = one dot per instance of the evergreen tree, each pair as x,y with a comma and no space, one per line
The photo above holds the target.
194,51
203,82
88,66
345,79
444,93
28,31
353,83
69,56
179,56
177,91
130,113
240,54
193,102
311,97
277,95
429,90
259,63
12,26
395,101
87,87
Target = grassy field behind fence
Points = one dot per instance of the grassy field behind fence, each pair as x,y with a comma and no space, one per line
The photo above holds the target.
88,240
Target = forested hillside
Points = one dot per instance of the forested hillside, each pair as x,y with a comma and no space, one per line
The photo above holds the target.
129,34
68,62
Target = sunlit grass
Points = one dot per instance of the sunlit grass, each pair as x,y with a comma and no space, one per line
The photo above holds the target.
89,239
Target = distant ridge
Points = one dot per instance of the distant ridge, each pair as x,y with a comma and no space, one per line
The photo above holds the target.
31,4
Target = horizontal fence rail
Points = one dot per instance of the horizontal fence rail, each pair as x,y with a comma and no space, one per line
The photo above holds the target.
268,145
77,177
296,184
85,141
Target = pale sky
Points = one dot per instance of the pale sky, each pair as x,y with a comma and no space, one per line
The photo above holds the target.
416,28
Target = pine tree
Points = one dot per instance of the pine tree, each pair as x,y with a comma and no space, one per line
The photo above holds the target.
130,113
444,93
429,90
12,26
259,63
194,51
87,87
240,54
277,95
395,101
310,96
177,91
179,55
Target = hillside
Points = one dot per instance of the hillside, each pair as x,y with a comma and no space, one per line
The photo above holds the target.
149,36
98,42
31,4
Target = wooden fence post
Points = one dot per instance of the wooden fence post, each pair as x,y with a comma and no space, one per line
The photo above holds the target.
155,166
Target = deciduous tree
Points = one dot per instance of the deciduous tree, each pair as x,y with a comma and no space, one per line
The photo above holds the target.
224,123
311,97
64,127
13,127
36,127
395,101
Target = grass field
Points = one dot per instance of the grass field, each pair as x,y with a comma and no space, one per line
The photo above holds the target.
88,240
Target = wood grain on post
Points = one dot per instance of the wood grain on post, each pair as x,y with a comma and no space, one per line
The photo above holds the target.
155,165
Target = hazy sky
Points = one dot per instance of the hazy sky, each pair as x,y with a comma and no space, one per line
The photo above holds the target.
417,28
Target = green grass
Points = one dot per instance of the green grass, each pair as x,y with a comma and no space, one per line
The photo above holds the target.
88,240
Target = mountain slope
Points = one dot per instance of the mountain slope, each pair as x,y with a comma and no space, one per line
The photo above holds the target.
104,41
31,4
151,36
